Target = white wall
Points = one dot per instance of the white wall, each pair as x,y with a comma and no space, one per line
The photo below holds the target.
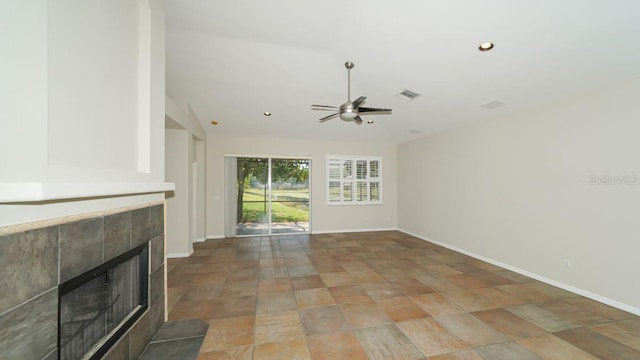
325,218
200,193
517,190
82,101
178,169
185,166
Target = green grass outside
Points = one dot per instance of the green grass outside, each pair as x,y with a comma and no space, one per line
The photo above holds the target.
281,209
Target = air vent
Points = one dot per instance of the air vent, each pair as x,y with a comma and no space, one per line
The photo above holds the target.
408,95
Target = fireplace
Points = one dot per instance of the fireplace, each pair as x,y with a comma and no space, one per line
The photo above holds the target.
98,306
64,280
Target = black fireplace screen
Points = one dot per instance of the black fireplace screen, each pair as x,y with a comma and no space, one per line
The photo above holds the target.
96,308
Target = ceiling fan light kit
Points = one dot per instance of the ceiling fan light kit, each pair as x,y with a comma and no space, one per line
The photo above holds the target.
349,111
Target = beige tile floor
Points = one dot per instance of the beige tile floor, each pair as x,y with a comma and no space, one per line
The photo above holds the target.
382,295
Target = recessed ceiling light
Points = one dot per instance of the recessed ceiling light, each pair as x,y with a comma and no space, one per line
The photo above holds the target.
266,113
213,122
486,46
369,121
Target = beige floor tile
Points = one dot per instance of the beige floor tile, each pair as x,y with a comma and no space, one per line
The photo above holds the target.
471,330
507,323
525,292
333,279
402,309
431,337
237,353
275,303
598,308
458,355
499,297
366,276
437,305
364,314
323,320
349,293
239,289
470,301
505,350
335,346
549,347
307,282
229,333
437,284
313,298
626,332
294,349
598,345
273,285
278,328
381,291
387,342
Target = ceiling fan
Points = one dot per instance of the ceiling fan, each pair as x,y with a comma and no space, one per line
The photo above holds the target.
349,111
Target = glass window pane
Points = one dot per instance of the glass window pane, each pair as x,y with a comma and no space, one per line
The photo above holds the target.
374,166
361,191
347,169
362,169
374,191
334,190
347,194
334,169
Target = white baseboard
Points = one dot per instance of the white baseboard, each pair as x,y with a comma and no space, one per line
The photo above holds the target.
352,230
211,237
178,255
200,240
573,289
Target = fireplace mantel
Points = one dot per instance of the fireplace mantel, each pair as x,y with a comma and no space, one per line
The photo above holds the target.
41,191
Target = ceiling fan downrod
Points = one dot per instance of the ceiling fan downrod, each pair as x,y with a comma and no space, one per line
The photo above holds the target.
349,65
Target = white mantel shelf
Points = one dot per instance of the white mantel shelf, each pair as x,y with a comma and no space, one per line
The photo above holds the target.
39,192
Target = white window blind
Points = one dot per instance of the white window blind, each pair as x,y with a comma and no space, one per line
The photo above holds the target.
354,180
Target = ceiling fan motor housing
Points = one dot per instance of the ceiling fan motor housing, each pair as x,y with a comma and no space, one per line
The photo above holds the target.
347,112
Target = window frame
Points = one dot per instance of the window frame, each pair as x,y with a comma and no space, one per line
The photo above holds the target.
338,181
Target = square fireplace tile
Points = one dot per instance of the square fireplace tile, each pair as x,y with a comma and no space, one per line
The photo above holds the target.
30,331
81,245
156,282
30,265
183,349
156,220
139,336
156,252
117,234
140,226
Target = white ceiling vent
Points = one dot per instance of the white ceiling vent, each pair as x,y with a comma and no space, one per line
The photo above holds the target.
408,95
492,105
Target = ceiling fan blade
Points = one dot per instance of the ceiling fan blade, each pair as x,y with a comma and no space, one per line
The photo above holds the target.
370,110
359,101
357,120
329,117
326,106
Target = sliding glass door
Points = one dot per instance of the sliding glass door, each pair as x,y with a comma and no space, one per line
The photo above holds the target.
266,195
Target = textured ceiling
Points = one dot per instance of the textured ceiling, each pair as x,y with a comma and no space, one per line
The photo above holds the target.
233,60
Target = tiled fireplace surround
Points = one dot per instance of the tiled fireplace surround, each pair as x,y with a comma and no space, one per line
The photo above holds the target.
35,258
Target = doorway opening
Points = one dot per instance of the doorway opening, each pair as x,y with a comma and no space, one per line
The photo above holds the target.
266,195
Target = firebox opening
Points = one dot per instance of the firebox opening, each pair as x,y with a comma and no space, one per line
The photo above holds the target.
96,308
